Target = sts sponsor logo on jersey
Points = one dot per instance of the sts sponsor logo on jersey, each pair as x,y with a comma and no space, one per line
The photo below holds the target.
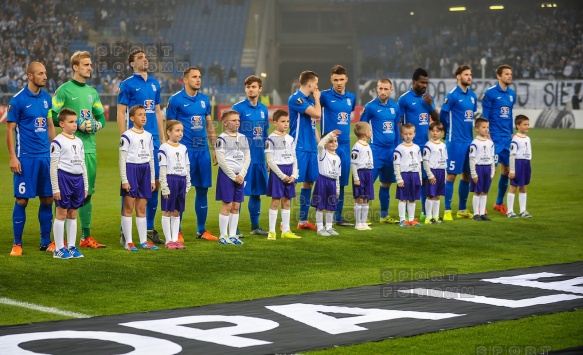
149,106
343,118
504,111
423,118
468,115
85,114
388,127
40,124
257,132
196,123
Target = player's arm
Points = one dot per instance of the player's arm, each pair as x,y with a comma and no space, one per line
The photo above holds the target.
212,137
121,118
316,110
15,166
160,120
486,106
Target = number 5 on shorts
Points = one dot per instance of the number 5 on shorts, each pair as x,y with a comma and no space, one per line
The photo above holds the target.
452,165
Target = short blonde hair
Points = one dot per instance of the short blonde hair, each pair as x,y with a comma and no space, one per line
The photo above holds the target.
77,56
361,128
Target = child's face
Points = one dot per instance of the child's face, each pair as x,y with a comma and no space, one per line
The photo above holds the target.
523,127
332,144
69,124
282,124
368,133
408,134
483,129
175,134
232,122
435,133
139,118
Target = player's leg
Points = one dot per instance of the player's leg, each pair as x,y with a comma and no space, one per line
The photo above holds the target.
126,221
343,152
201,179
18,221
257,187
152,206
387,177
61,251
503,158
45,193
273,211
238,197
308,173
85,212
464,185
454,167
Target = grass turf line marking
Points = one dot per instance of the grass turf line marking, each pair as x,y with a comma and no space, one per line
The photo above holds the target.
36,307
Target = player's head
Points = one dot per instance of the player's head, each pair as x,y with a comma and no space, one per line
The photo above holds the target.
338,78
463,74
37,74
362,130
436,130
384,89
504,74
408,131
253,87
309,79
174,130
137,115
420,81
332,144
138,60
281,120
522,123
231,120
192,78
68,120
82,65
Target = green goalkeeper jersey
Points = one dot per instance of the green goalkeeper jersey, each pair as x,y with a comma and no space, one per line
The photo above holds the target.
84,100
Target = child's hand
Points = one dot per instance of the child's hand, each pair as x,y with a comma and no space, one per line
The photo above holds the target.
433,181
356,183
57,196
511,175
239,179
165,196
291,179
126,186
401,184
86,193
475,180
336,132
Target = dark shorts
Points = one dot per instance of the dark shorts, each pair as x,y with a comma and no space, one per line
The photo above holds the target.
383,164
177,197
256,180
437,189
277,188
523,173
34,179
200,168
140,180
484,179
366,188
502,150
324,196
458,157
227,190
307,166
343,151
72,190
412,189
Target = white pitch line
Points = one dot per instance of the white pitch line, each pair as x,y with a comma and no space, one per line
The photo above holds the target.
37,307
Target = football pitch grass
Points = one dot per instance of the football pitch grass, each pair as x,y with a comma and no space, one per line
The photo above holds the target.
113,281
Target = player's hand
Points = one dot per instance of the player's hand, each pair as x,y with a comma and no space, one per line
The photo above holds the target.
57,196
126,186
153,186
401,184
15,166
475,180
214,157
317,94
511,175
427,98
356,183
433,181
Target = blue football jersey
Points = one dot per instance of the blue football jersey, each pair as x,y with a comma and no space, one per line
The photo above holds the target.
192,111
416,111
497,107
135,90
255,126
301,125
336,110
30,111
384,120
457,115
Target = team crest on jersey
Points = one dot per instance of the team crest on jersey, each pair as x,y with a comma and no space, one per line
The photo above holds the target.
511,99
392,110
262,114
46,104
121,143
196,123
53,148
388,127
85,114
202,104
90,98
40,124
343,118
219,143
446,100
154,87
349,102
423,118
313,123
149,105
473,101
257,131
354,156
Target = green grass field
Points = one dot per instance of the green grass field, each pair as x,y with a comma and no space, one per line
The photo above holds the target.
113,281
